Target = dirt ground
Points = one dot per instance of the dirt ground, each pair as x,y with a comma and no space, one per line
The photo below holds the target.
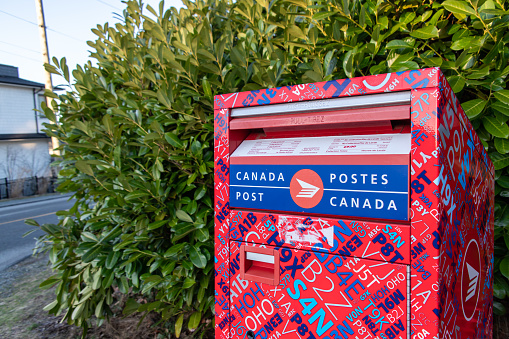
22,315
21,303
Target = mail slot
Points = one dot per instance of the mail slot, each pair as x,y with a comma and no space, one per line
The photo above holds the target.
356,208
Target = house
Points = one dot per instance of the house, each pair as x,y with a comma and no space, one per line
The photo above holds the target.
24,147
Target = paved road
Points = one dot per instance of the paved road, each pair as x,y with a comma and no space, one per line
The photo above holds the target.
13,247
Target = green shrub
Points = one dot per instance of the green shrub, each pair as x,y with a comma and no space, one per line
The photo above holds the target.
137,127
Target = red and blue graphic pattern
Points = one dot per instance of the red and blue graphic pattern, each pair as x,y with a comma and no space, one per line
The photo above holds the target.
430,276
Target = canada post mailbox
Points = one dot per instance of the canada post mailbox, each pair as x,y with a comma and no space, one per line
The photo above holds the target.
352,209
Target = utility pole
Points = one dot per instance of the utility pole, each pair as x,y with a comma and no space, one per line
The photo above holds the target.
45,56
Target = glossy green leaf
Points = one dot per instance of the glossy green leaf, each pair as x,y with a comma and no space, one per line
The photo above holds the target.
183,216
194,320
500,107
178,325
499,290
502,145
48,283
123,285
323,15
77,311
174,250
130,307
92,253
504,267
473,108
427,32
495,127
32,222
163,99
156,224
496,12
499,160
503,96
136,195
188,283
206,88
458,7
296,32
396,44
197,258
499,308
50,306
348,63
84,167
202,235
173,139
456,82
112,259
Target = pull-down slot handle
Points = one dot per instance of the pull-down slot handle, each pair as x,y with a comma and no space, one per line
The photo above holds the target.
259,264
266,258
324,119
360,101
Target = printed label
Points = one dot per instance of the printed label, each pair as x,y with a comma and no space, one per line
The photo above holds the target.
336,145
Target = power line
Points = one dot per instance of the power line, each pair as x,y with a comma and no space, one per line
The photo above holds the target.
66,35
107,4
33,23
17,17
15,54
18,46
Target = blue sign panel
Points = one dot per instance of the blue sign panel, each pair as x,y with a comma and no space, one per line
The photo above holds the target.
371,191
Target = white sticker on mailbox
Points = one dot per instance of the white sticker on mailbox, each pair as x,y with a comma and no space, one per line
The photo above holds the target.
331,145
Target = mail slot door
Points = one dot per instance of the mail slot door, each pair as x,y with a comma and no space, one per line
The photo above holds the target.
278,291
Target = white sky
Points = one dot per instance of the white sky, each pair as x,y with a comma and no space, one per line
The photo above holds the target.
69,24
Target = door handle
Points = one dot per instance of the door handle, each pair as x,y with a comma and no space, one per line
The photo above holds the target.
259,264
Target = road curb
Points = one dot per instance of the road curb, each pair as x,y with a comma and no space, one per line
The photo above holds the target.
32,200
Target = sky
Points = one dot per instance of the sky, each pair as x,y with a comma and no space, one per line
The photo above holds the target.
68,23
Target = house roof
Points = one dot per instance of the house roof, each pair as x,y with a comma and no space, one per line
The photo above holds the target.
10,75
19,82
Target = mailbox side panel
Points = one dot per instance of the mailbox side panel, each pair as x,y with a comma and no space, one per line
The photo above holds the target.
425,210
466,186
221,223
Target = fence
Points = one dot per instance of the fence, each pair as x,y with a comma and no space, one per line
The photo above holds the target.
26,187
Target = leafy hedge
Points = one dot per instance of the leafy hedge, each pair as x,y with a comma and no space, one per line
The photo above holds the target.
136,128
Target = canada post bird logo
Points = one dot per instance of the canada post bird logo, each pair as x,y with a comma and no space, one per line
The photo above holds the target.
470,280
306,188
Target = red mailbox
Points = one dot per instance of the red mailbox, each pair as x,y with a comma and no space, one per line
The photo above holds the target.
352,209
